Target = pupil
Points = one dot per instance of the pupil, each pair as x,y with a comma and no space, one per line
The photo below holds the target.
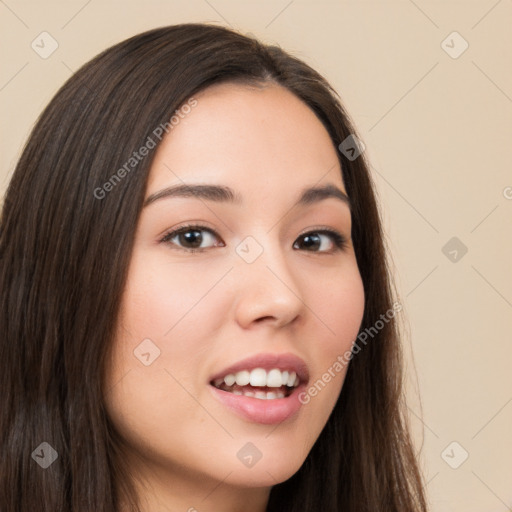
189,239
311,243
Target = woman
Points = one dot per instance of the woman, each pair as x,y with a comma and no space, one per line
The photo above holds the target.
196,308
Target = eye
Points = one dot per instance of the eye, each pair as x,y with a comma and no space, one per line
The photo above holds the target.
190,237
312,239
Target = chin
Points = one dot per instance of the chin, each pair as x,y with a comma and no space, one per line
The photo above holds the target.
267,472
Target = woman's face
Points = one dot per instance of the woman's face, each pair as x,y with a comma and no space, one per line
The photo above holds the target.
264,282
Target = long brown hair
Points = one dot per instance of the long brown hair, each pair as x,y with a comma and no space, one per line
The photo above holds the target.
64,255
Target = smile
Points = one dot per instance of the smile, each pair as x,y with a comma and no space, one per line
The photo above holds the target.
259,383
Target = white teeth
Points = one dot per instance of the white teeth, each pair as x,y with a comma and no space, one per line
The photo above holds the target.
258,377
229,379
269,395
274,379
262,395
243,378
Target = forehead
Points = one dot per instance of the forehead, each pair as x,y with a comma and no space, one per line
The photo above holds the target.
253,138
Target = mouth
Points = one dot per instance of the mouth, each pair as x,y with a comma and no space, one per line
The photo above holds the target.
262,389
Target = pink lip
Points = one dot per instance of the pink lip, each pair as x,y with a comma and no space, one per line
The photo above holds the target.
267,412
267,361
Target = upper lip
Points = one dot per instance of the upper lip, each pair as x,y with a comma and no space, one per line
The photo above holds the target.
268,361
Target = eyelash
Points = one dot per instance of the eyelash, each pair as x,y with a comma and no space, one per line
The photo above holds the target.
339,240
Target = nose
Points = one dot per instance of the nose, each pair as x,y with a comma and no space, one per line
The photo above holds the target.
267,290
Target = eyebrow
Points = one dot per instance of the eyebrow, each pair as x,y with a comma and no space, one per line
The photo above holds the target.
221,193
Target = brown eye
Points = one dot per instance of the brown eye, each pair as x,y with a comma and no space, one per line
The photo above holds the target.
190,238
195,238
314,243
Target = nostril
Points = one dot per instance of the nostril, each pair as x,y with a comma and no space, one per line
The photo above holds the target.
263,318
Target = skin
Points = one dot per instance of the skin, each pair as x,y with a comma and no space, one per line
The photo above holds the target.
182,443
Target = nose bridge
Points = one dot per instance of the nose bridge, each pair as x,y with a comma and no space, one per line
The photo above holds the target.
268,287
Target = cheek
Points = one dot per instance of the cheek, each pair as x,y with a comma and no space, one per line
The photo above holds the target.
155,349
339,306
162,297
158,341
151,384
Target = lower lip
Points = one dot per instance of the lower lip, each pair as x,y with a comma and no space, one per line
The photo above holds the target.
267,412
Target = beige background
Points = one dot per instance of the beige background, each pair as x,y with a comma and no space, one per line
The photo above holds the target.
438,133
